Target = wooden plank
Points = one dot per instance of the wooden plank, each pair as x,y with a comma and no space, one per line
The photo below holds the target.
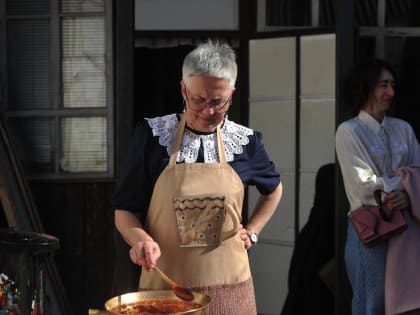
22,214
15,199
7,206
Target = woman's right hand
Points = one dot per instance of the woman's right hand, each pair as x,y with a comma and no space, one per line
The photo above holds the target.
397,199
145,254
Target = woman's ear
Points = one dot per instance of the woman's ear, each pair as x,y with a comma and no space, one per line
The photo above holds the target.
183,90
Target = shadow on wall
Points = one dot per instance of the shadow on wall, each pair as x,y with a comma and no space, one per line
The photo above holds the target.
312,267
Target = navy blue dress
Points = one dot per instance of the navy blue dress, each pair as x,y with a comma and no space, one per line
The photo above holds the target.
146,159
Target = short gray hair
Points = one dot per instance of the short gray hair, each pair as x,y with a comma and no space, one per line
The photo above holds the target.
212,58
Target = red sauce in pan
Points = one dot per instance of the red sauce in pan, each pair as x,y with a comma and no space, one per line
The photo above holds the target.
155,306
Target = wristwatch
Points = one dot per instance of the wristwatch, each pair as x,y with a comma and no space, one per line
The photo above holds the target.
253,237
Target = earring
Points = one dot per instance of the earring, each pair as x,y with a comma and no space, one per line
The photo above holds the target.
184,102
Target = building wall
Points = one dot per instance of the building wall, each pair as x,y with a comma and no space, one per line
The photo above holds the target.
292,101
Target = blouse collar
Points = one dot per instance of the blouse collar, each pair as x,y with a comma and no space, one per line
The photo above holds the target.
234,136
371,122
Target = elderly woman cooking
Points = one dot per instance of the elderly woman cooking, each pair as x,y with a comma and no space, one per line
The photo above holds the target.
179,200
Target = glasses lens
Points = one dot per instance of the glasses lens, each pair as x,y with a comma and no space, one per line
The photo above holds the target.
217,103
221,105
199,104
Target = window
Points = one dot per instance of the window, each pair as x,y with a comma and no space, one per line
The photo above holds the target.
391,31
293,14
59,86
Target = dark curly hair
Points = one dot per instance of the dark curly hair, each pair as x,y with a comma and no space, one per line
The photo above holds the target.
362,81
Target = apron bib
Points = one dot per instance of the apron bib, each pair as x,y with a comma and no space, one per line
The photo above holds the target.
194,216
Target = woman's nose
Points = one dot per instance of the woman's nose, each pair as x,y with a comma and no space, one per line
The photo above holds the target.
210,109
390,90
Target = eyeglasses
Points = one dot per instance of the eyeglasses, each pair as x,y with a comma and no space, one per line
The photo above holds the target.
378,198
200,103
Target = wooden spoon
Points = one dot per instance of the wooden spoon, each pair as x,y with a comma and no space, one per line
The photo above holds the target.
181,292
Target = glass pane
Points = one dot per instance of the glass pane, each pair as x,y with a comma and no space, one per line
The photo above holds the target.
394,47
82,6
402,13
327,12
83,62
28,64
365,47
34,143
27,7
288,12
366,12
404,55
84,144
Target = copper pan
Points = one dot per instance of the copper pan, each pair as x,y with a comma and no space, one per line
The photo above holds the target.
135,297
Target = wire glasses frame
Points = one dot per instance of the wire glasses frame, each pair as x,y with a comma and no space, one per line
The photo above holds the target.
198,104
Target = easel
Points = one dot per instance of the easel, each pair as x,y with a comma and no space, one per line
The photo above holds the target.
21,213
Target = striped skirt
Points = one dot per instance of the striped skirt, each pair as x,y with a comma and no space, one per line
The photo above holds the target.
230,299
366,272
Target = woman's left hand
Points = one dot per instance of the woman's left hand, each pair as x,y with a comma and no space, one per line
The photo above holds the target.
243,233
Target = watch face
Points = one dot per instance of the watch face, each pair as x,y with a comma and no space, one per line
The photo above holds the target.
253,237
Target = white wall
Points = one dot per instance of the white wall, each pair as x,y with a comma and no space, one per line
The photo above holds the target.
273,112
186,15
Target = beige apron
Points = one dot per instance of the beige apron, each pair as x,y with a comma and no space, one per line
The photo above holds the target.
194,216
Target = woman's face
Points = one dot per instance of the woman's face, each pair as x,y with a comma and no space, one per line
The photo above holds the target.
383,94
207,99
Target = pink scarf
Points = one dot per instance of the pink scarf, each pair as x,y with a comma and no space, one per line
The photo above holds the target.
402,275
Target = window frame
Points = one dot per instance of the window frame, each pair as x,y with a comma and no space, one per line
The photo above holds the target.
56,112
381,30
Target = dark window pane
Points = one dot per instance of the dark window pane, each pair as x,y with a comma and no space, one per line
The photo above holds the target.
393,45
327,12
408,67
402,13
27,7
28,64
288,13
34,143
365,48
366,12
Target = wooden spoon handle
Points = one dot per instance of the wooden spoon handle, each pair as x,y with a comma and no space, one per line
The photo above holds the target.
171,282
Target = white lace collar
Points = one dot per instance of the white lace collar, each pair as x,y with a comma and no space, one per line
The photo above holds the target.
234,137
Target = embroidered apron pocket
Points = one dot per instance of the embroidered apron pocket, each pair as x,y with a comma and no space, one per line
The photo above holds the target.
200,219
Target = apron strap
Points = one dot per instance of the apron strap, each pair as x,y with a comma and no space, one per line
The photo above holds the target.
220,147
178,140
